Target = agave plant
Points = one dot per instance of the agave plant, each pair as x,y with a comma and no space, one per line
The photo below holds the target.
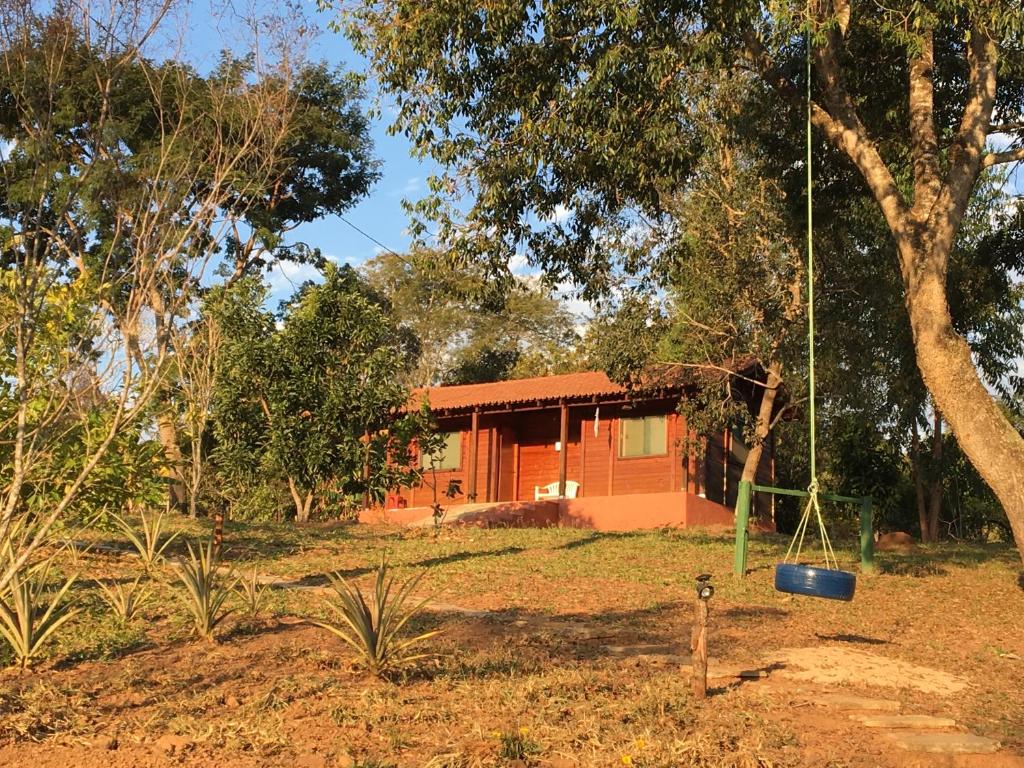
30,612
147,542
373,628
251,590
125,602
206,589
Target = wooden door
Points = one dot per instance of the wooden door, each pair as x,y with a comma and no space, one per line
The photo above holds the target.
506,469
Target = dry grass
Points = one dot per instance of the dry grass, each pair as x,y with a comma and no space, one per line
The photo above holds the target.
566,654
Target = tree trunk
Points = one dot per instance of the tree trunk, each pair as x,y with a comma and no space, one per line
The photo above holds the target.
935,492
918,472
764,422
303,504
167,430
984,433
195,479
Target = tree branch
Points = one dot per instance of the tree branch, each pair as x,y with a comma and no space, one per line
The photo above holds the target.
850,135
841,125
966,152
924,144
1000,158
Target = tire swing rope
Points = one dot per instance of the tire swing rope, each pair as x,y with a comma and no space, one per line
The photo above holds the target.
830,582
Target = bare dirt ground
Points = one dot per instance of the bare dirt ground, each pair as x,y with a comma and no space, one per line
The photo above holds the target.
559,648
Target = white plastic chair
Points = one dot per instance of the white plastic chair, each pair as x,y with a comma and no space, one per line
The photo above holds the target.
550,491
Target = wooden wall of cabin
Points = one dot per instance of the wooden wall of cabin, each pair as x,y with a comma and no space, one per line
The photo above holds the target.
516,454
724,457
592,455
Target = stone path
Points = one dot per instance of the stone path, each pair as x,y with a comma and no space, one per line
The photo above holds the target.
908,731
913,733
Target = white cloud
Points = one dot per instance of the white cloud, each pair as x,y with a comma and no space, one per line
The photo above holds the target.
557,216
519,265
411,187
567,294
285,276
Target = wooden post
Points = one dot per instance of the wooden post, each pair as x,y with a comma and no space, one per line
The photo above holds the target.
583,455
563,454
515,470
670,427
613,440
474,438
218,532
699,650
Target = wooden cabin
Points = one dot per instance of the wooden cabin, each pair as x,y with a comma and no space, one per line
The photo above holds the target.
574,449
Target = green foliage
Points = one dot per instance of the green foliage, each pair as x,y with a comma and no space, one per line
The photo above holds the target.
589,107
373,629
31,611
314,398
471,330
610,112
326,167
149,542
125,601
115,177
252,591
516,745
206,589
255,498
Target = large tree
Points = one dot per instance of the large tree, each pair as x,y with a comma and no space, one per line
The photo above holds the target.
315,395
115,168
324,166
585,105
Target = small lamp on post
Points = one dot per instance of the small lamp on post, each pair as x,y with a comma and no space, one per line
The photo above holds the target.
699,639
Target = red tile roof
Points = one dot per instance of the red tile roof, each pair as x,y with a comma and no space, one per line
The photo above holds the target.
569,386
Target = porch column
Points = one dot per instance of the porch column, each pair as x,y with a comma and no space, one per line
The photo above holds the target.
474,434
563,432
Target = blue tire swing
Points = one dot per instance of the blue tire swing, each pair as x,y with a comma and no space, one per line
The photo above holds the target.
796,578
792,576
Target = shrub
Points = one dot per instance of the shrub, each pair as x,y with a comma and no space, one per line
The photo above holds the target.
125,602
251,590
30,613
147,542
262,501
372,628
206,589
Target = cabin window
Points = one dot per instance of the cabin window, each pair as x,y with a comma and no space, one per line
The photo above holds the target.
646,436
450,455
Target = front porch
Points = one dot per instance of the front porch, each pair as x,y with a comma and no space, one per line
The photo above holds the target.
624,512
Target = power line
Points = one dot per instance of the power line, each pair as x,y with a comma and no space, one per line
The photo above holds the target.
371,238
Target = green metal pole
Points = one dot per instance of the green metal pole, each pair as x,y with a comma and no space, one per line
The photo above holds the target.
739,565
867,537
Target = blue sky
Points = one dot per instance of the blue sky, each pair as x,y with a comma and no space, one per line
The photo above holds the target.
379,214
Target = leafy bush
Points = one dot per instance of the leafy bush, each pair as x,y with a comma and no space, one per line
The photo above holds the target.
206,589
373,628
258,501
251,590
125,602
30,613
147,542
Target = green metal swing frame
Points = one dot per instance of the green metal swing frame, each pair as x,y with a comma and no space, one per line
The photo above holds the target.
744,502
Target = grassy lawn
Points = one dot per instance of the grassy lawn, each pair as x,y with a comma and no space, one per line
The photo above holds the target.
560,647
